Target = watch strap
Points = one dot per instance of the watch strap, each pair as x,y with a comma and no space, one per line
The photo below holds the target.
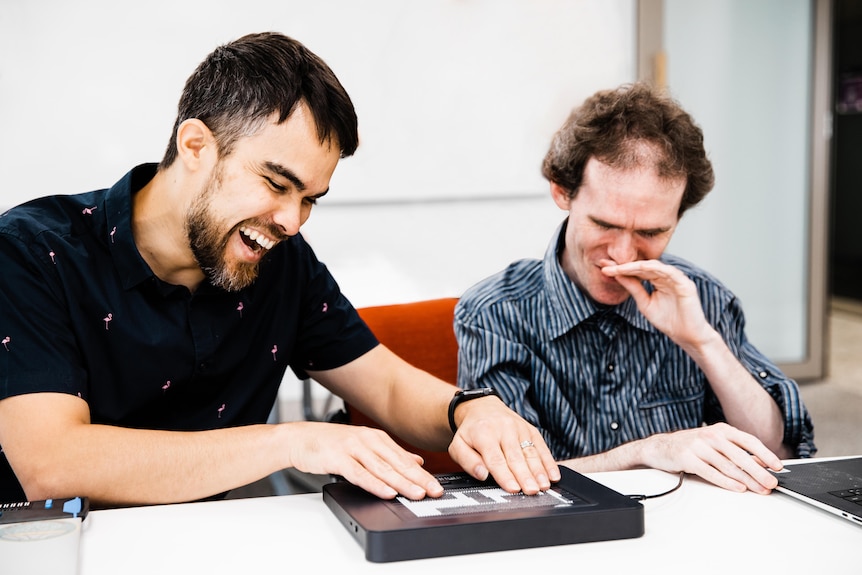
463,395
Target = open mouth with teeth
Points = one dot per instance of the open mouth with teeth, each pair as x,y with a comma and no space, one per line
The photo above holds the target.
255,240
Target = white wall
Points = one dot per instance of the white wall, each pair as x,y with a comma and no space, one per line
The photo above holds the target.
456,98
743,69
457,101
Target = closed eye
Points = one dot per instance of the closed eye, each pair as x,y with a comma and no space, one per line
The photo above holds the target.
312,200
647,233
604,225
276,187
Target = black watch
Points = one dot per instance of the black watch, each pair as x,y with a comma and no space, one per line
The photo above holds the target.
463,395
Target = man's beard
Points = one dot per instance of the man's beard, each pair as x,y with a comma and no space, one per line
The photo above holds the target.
209,244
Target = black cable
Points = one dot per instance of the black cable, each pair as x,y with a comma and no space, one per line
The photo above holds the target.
642,497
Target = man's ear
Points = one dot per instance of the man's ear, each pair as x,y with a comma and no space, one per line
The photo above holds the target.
195,143
561,196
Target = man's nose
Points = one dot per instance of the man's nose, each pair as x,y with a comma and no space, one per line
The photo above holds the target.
289,218
622,249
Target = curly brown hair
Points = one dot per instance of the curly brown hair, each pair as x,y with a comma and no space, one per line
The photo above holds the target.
612,126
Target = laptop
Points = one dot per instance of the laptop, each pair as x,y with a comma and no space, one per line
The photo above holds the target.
475,517
834,485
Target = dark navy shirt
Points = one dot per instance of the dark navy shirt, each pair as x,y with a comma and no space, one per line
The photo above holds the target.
593,377
82,313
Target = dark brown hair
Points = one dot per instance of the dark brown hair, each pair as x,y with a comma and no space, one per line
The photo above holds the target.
240,85
611,124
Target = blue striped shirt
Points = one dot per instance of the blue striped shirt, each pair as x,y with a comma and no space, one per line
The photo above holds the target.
593,377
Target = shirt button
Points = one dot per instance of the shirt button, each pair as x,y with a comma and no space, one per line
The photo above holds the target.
610,367
615,425
763,374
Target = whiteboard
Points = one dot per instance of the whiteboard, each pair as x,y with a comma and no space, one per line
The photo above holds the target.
455,98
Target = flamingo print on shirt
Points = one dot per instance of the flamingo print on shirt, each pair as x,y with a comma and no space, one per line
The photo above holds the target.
107,319
113,231
220,409
89,211
239,308
6,341
274,350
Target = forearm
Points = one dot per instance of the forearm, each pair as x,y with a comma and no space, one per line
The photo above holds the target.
627,456
113,465
416,410
427,427
413,406
745,403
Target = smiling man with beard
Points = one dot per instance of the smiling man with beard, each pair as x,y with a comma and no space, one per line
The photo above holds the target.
148,326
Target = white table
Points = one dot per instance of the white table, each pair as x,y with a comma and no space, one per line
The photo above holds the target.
698,529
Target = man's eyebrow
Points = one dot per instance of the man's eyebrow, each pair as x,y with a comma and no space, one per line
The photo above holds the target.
604,224
286,173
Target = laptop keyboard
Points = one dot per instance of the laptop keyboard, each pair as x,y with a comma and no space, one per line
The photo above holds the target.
853,495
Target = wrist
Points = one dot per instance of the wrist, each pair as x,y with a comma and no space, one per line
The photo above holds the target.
705,343
463,395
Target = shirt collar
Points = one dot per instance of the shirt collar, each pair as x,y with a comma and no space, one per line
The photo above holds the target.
128,262
571,304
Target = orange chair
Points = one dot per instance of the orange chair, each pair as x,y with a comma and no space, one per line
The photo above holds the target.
421,333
